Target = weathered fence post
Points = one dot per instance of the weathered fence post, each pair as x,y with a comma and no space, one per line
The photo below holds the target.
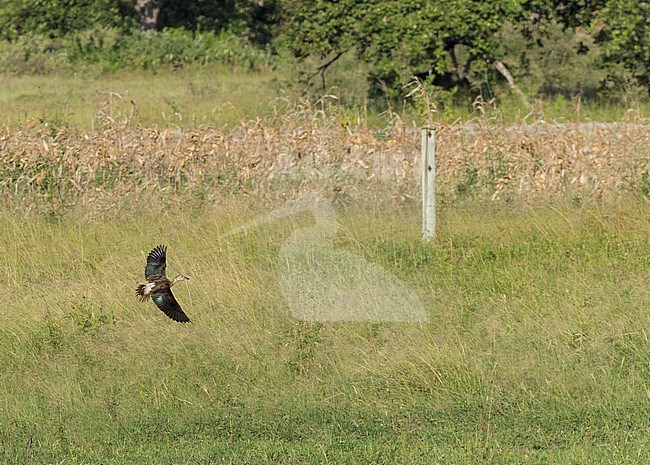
428,184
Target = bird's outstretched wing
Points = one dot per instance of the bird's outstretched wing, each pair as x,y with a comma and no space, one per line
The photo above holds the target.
156,263
166,302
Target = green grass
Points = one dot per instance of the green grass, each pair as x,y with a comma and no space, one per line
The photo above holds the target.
186,98
536,351
220,96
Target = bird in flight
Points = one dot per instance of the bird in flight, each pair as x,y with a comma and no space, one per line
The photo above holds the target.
158,286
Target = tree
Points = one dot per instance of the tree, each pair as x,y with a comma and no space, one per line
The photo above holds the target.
438,40
251,18
57,18
569,13
622,27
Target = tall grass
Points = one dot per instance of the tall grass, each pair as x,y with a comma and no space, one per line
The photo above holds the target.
536,349
306,146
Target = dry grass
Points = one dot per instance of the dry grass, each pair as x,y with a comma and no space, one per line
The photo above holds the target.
304,147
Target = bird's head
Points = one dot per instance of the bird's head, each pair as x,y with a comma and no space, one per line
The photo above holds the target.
178,278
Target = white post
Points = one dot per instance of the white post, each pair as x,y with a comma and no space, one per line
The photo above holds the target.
428,184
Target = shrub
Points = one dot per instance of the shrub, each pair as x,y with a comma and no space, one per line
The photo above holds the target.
111,49
57,18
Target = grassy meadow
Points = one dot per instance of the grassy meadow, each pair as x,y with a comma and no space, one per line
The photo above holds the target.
216,95
536,349
179,99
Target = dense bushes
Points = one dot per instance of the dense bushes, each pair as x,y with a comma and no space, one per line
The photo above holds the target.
59,17
460,49
109,49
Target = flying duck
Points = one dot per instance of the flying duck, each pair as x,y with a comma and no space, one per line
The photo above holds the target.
158,287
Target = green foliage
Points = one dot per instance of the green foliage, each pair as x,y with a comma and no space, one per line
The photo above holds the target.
570,13
320,27
60,17
455,42
640,185
178,48
401,38
52,335
555,61
426,101
591,48
245,18
625,33
111,49
33,54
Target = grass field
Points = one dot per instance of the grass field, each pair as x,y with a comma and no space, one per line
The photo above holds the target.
186,99
218,96
536,347
536,350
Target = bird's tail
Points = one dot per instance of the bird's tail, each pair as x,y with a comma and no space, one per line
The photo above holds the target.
139,291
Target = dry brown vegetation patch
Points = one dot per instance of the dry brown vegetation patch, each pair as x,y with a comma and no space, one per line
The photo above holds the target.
276,158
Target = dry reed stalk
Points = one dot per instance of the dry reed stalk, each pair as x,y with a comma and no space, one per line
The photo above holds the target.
304,149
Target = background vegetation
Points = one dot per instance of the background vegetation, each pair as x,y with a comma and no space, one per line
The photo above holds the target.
457,51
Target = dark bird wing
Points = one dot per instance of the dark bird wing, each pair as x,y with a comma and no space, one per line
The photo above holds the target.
156,263
166,302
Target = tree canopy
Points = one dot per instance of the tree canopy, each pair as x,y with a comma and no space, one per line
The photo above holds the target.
450,44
